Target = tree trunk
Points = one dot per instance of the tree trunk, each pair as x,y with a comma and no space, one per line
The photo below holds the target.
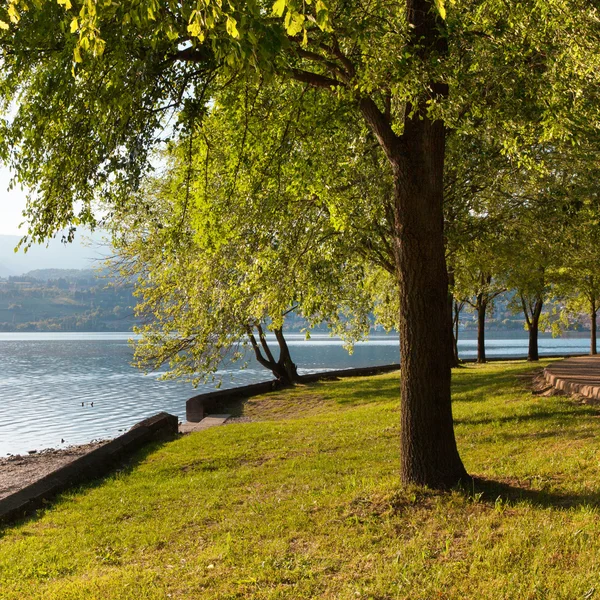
287,369
593,346
428,447
532,353
481,310
283,369
455,324
454,360
533,324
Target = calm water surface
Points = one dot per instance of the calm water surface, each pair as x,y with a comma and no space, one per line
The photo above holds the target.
48,382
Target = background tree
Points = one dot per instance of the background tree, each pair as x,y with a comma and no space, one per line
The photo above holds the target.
477,281
534,229
477,178
578,280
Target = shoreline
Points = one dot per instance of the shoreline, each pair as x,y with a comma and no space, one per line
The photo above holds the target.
19,470
23,454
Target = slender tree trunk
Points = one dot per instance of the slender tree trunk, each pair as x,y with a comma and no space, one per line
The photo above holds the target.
532,353
481,310
533,325
455,324
593,345
286,367
454,360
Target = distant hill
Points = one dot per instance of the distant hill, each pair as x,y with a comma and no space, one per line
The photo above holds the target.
5,271
72,275
65,300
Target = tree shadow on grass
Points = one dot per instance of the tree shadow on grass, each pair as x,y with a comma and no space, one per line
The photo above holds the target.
477,385
353,392
568,412
501,492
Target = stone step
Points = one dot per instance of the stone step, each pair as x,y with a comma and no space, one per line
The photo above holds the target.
207,422
579,375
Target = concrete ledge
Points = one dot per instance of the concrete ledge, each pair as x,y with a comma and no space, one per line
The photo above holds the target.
206,423
95,464
197,407
517,358
580,375
356,372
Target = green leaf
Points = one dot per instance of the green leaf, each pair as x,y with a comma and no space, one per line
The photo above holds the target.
294,21
440,5
278,8
296,25
231,26
322,15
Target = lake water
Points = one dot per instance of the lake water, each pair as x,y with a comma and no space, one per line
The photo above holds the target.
48,382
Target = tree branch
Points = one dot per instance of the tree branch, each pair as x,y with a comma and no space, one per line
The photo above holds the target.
264,344
315,79
200,54
380,126
333,67
259,357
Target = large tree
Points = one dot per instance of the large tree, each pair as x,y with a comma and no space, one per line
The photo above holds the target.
94,81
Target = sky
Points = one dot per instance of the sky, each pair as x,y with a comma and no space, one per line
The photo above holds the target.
81,254
11,206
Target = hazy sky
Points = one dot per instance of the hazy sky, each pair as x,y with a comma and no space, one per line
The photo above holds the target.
11,206
80,255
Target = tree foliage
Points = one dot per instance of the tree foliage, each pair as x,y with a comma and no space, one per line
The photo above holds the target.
232,236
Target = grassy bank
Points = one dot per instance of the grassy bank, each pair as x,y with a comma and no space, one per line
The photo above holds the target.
307,504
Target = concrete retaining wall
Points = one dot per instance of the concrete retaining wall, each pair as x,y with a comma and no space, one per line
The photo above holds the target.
197,407
96,463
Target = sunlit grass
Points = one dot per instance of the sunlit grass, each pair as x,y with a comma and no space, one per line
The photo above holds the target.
308,504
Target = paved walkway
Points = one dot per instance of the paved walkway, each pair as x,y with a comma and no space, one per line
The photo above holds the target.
210,421
577,375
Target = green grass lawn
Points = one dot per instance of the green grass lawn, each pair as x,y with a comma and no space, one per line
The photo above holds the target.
307,503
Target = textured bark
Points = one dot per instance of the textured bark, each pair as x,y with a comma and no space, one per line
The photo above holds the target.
428,448
429,455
